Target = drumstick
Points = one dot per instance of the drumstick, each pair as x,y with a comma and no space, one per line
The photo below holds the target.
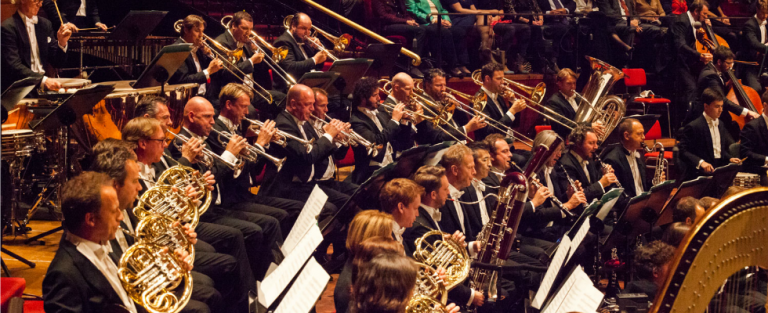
96,28
58,12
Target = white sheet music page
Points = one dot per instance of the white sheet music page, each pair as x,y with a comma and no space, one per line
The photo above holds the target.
583,230
577,294
307,218
275,283
554,268
306,290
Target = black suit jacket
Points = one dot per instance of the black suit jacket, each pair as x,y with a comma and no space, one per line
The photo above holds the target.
221,78
751,41
685,43
366,128
493,112
474,215
574,169
708,78
428,134
612,9
16,51
617,158
570,5
68,9
450,222
187,72
696,144
559,104
754,145
219,170
294,62
73,284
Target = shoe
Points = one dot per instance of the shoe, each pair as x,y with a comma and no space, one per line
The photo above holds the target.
415,73
465,71
455,72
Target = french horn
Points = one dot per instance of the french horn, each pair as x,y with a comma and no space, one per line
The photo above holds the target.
181,176
435,251
167,201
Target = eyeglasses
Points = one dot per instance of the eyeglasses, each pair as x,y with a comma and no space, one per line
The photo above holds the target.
159,140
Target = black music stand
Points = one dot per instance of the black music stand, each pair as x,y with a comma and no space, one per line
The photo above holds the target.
137,25
384,56
71,110
722,178
693,188
351,70
322,80
644,208
8,100
163,66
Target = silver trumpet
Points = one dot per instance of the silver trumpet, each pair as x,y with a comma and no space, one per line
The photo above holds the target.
283,136
208,156
253,151
353,139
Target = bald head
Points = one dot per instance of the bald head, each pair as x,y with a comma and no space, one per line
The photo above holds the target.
402,86
301,25
198,116
300,102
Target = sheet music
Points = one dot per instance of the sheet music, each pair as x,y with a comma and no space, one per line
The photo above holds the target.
577,294
276,282
306,290
307,218
554,268
578,238
609,200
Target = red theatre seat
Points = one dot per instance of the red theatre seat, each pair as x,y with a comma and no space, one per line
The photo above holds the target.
541,128
10,287
635,77
654,134
348,160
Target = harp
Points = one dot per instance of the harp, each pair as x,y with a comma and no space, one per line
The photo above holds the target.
728,245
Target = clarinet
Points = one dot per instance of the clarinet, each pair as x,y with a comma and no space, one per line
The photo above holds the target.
605,169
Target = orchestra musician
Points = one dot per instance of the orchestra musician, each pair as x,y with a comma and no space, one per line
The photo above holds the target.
579,164
565,103
628,163
754,144
199,65
29,46
78,13
385,284
460,170
401,197
502,153
652,261
754,46
402,92
497,104
687,211
704,144
480,212
434,87
82,277
302,56
689,60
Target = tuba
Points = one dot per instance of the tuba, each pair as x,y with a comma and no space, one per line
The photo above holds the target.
165,201
180,176
597,105
662,165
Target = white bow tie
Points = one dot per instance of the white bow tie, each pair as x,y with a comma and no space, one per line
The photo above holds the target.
399,232
457,194
478,186
437,216
714,122
32,20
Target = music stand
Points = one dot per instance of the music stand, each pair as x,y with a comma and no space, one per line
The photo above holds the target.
163,66
322,80
8,100
351,70
137,25
722,178
384,56
692,188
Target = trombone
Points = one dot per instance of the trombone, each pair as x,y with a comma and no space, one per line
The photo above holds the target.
252,150
339,43
282,136
208,156
354,139
230,62
278,53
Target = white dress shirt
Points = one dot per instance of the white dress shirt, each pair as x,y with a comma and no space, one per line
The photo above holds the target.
714,132
301,46
227,156
36,65
761,26
494,96
398,231
330,170
434,214
98,254
636,178
572,101
690,19
584,164
479,188
201,88
388,151
456,194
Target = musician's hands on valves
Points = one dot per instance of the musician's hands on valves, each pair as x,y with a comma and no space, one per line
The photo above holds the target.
188,230
452,308
477,122
599,128
236,144
608,176
266,133
184,256
192,149
333,128
210,181
419,117
398,112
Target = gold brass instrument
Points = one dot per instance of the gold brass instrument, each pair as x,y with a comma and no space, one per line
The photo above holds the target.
277,53
209,157
662,165
283,136
441,253
158,230
169,202
230,58
253,152
597,105
429,294
726,245
180,176
353,138
340,43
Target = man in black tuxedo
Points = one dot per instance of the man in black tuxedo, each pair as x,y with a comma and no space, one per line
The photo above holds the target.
402,92
715,76
252,62
23,57
460,170
376,126
754,144
578,163
302,56
565,103
435,91
479,213
497,106
628,163
754,46
199,66
704,144
689,60
81,13
502,156
82,277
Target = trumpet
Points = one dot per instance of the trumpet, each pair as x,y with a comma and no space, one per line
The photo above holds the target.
278,53
662,165
353,138
230,58
253,152
282,136
208,156
339,43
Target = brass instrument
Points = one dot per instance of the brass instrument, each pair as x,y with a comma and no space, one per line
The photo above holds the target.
230,58
433,250
597,105
208,156
429,295
253,151
180,176
169,202
278,53
282,136
339,43
662,165
158,230
729,239
353,139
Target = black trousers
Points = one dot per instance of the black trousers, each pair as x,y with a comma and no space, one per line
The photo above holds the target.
443,45
228,264
514,38
555,32
413,33
285,210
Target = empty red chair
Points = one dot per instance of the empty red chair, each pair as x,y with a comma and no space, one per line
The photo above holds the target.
635,77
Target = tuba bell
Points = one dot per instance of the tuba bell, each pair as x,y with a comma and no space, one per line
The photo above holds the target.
596,104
